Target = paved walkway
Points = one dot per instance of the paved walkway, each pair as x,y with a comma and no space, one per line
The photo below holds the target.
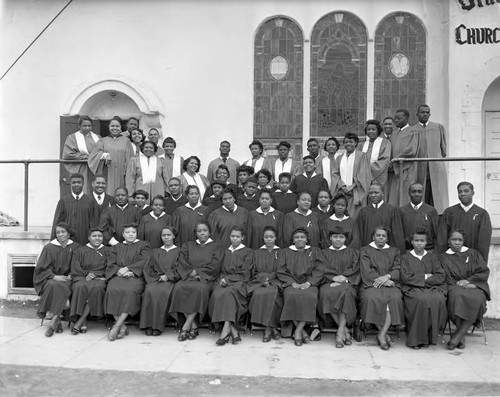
22,342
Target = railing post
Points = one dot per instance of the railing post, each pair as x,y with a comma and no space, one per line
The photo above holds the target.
400,165
26,193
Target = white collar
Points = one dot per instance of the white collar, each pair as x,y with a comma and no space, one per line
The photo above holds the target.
96,249
135,241
176,199
191,208
422,124
77,195
142,208
312,176
378,205
103,195
418,256
156,217
249,197
259,210
234,210
265,187
327,210
309,212
279,191
294,248
466,208
206,242
222,159
334,218
168,249
264,247
463,249
122,208
56,242
372,244
237,248
340,249
407,125
416,207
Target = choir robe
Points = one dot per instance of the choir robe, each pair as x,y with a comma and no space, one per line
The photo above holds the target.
202,184
424,299
373,263
469,304
324,214
346,223
370,217
299,267
426,217
249,203
263,163
312,185
212,202
222,221
156,296
341,298
53,261
379,166
114,218
107,201
232,166
123,295
433,144
292,166
475,223
319,163
120,152
87,260
134,178
361,177
266,301
144,211
150,228
229,303
80,215
328,165
285,202
173,166
191,295
209,192
311,222
71,151
172,204
256,223
185,219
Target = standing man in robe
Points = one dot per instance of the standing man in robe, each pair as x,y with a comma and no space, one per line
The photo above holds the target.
231,164
78,210
432,175
313,148
154,136
472,219
102,199
132,124
284,163
388,126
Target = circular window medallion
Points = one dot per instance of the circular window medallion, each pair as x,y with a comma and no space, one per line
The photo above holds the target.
278,67
399,65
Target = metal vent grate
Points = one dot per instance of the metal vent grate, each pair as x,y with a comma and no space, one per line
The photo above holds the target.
21,268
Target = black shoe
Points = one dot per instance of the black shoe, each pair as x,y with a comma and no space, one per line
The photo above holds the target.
156,332
235,339
223,341
149,331
192,334
266,338
183,335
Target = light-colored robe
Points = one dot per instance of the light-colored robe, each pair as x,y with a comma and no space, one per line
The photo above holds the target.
380,166
71,151
134,178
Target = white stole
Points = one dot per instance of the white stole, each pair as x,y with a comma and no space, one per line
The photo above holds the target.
375,149
148,169
80,141
347,168
176,165
197,181
258,164
285,167
327,171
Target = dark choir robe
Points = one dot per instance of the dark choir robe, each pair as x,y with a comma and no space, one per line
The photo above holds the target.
144,210
229,303
340,298
299,267
123,295
424,217
312,185
249,203
324,214
311,222
107,201
370,217
114,218
209,192
80,215
285,202
346,223
222,221
424,298
53,261
475,223
466,303
257,221
185,219
212,202
87,260
266,300
172,204
373,263
191,294
150,228
156,296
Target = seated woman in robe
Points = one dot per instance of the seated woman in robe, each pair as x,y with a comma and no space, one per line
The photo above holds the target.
468,290
124,274
300,274
261,218
151,224
160,275
324,207
337,295
52,278
377,150
222,175
381,301
198,268
302,217
192,176
265,290
229,298
424,290
89,282
341,218
214,201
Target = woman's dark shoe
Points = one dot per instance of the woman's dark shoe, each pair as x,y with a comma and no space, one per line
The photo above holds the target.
75,331
451,346
275,334
149,331
383,345
461,345
223,341
266,338
156,332
58,329
183,335
235,339
49,332
192,334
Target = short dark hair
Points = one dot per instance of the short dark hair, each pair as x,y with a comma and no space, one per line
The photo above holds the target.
169,139
299,230
285,175
237,228
385,229
265,172
310,158
230,191
141,192
189,187
66,227
133,118
353,136
252,180
312,140
334,140
223,167
94,229
262,191
388,118
158,197
171,228
99,176
258,143
337,230
465,183
423,106
143,144
270,229
422,231
131,224
203,222
285,144
245,168
77,176
406,112
83,118
122,188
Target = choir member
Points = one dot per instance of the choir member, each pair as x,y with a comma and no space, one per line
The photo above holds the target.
264,289
284,163
337,295
424,290
376,213
378,151
249,199
132,124
264,179
176,197
151,225
215,200
324,207
416,215
224,159
284,199
141,199
222,175
111,155
314,151
154,137
261,218
173,162
309,181
124,274
388,124
192,176
243,172
137,137
341,218
467,281
79,210
300,274
102,199
115,217
198,268
302,217
89,282
229,297
186,218
258,161
52,277
328,163
381,301
223,219
160,275
474,220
